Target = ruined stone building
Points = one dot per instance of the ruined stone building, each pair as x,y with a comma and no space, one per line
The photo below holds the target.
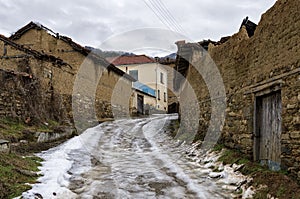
94,80
260,69
29,90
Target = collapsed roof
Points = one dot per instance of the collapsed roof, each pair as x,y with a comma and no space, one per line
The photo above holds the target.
250,26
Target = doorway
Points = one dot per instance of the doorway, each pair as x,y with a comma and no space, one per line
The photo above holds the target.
140,104
267,147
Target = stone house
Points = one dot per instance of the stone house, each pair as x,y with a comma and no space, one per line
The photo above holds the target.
147,71
261,76
29,87
95,79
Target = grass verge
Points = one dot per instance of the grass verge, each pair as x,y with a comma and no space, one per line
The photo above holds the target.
269,183
14,130
15,172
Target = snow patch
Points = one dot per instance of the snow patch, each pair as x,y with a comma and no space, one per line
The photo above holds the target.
58,162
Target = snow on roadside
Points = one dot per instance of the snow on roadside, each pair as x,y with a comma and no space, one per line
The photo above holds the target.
227,175
57,164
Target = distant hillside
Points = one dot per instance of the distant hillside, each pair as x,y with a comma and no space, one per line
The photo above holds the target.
106,54
171,56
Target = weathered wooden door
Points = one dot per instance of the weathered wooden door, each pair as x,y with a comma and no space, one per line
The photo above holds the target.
140,104
268,130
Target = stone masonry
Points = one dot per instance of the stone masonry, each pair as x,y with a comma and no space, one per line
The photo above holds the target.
29,89
254,66
80,61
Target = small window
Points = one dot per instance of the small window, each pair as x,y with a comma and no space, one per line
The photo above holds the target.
162,78
134,74
165,96
158,94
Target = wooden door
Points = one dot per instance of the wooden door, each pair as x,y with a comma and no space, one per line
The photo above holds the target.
268,130
140,104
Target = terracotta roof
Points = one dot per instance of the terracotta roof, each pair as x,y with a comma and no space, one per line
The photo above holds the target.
74,45
126,60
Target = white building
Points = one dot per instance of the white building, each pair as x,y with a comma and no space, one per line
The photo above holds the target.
149,72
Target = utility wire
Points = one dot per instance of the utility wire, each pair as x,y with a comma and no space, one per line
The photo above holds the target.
158,16
164,15
161,13
170,16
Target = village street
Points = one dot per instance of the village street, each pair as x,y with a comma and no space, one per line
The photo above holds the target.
134,158
150,99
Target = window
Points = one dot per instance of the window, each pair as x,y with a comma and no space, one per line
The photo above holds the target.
162,78
134,74
165,96
158,94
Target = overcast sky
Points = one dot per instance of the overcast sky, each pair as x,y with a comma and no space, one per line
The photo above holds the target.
122,21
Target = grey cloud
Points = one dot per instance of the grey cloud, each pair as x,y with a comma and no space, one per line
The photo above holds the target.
94,22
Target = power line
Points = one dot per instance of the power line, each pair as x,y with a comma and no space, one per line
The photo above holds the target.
164,15
158,16
170,16
161,13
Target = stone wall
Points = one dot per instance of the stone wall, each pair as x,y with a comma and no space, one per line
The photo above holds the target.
267,61
51,76
41,41
22,98
113,94
82,63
